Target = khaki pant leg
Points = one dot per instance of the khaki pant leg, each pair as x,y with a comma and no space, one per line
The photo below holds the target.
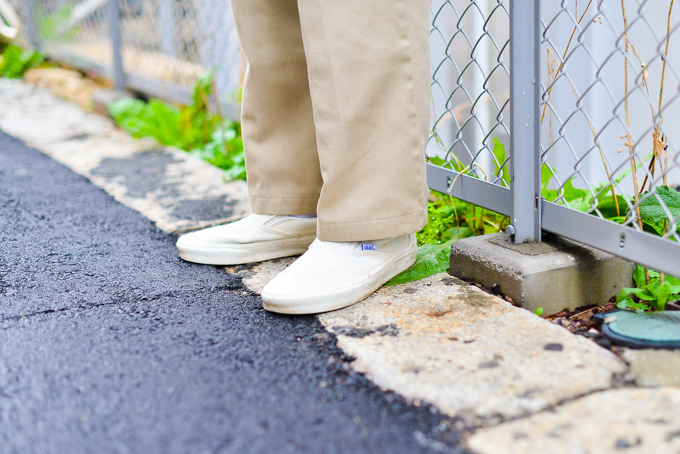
369,72
277,125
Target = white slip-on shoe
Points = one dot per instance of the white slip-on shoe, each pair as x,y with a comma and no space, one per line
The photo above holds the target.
333,275
254,238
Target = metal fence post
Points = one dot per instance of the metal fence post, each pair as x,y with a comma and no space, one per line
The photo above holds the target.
31,25
524,120
116,44
168,29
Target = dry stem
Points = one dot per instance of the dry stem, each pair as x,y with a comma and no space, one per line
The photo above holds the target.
663,74
629,142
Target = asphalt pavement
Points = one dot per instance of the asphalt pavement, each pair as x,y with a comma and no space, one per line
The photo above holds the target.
110,343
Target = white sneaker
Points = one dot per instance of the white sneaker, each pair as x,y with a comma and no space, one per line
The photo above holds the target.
333,275
254,238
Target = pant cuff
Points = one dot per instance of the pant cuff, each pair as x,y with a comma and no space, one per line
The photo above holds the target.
372,229
283,205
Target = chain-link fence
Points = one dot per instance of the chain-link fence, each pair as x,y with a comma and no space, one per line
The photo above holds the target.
159,47
470,85
585,150
609,103
470,101
594,93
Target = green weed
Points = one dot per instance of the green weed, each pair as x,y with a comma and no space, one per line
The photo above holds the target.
449,219
655,218
432,259
14,61
653,295
653,289
194,128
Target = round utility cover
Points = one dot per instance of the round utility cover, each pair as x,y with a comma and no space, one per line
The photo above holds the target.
642,330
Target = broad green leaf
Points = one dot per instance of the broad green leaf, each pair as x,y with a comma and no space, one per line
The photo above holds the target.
673,280
654,214
11,59
658,295
14,61
607,206
623,294
623,304
653,227
432,259
643,294
628,303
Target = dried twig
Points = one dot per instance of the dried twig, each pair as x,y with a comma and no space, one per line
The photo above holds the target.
663,76
628,140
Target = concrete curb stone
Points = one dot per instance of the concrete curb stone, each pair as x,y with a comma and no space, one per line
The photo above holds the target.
635,421
472,355
651,367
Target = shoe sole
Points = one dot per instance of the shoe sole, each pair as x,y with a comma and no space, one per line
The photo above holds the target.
315,304
239,254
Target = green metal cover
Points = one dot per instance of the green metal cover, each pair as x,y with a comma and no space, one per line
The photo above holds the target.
654,326
641,330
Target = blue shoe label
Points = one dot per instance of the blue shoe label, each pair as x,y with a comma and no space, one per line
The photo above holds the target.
368,247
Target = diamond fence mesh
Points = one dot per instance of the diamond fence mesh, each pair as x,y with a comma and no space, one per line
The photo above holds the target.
470,87
165,45
609,100
610,92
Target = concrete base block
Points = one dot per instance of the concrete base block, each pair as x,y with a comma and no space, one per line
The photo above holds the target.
553,275
102,98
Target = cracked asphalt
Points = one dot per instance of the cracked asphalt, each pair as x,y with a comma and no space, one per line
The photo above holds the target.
110,343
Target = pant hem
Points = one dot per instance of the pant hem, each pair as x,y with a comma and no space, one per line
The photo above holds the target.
372,229
283,205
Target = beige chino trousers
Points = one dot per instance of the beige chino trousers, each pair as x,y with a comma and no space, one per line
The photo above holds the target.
335,112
